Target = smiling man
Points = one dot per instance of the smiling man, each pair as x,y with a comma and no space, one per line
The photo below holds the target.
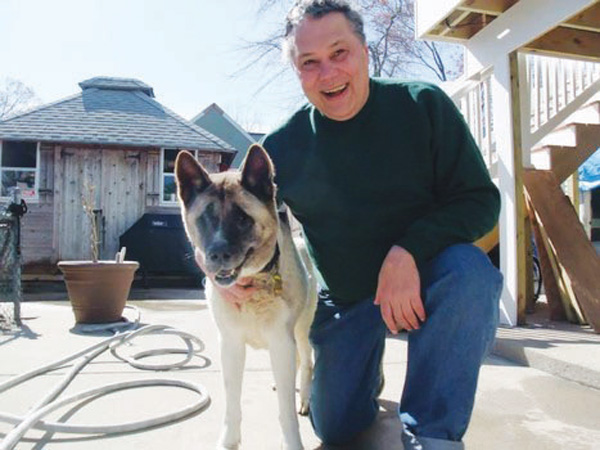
334,76
390,189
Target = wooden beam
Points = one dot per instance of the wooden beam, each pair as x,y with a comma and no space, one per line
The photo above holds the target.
575,26
549,277
568,42
490,7
577,259
564,161
566,298
588,19
452,22
515,92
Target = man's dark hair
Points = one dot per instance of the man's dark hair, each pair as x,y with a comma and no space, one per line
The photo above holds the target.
316,9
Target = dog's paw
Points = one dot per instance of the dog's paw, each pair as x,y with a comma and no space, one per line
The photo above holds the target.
229,443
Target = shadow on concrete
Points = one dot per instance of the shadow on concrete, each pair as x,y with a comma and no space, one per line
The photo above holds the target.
18,333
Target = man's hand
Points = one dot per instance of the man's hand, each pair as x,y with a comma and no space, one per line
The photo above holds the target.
399,291
237,293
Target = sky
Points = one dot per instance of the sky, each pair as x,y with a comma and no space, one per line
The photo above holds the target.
188,50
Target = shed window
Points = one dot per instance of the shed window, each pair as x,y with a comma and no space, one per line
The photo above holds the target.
169,188
19,162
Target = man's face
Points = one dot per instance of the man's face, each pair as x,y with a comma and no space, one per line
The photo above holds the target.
332,64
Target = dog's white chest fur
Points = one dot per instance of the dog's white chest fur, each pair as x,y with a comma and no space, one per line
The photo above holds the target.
253,319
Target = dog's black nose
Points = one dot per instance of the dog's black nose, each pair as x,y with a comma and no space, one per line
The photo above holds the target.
219,253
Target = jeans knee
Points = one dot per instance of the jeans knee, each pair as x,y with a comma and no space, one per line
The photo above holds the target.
340,427
328,431
463,277
470,269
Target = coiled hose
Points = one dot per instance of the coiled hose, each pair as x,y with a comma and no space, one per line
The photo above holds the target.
34,418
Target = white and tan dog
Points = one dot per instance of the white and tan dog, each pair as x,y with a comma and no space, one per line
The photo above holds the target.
232,221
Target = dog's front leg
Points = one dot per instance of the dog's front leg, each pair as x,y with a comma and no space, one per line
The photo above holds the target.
282,350
233,355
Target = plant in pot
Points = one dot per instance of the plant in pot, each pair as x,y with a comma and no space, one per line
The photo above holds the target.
98,289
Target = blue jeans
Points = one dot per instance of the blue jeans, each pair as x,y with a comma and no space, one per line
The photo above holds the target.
460,290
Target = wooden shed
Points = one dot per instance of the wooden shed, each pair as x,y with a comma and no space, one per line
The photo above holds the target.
112,143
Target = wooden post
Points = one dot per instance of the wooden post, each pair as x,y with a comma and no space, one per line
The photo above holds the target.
522,235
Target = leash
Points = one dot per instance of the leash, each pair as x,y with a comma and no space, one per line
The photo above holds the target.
51,402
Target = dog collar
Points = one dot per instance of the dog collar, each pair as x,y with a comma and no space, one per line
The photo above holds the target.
272,267
273,261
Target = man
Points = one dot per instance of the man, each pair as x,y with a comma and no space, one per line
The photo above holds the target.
390,190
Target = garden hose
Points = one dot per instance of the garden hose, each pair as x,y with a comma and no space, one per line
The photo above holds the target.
51,402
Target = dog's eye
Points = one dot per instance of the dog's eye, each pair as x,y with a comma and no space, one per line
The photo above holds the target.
209,216
242,220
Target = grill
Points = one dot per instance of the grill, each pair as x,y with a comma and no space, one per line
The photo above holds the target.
159,243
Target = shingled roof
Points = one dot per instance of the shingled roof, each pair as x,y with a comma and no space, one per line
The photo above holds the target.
111,111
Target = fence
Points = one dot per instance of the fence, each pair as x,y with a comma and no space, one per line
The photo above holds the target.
10,272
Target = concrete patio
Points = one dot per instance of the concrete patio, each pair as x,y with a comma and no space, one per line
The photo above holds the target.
517,407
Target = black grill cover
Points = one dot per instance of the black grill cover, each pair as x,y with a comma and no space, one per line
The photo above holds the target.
159,243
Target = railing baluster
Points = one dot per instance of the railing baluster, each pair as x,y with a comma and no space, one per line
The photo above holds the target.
572,94
488,122
538,91
555,89
548,89
579,78
552,84
563,83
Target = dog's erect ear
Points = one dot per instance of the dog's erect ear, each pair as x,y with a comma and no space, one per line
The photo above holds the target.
190,176
258,173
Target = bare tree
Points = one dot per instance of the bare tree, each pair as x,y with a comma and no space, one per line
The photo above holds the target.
15,98
393,49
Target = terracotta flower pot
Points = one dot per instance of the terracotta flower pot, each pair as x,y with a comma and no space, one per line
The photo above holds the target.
98,291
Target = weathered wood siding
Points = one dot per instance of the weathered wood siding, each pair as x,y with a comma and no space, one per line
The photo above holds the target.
126,184
118,181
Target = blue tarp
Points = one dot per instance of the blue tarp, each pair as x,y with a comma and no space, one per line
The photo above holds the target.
589,173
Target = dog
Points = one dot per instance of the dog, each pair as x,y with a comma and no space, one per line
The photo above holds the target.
232,221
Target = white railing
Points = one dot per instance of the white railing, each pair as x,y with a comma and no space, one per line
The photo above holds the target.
557,88
474,99
554,88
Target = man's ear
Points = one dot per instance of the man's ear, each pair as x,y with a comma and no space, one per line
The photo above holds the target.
190,176
258,172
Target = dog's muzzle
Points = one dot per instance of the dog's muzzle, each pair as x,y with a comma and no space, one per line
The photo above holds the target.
225,276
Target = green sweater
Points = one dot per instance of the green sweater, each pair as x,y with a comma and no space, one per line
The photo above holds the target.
404,171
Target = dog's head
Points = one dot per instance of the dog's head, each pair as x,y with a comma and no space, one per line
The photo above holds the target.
230,217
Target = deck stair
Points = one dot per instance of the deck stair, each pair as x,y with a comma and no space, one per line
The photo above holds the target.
571,266
566,148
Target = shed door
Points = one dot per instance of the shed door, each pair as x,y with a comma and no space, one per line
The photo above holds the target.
117,181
